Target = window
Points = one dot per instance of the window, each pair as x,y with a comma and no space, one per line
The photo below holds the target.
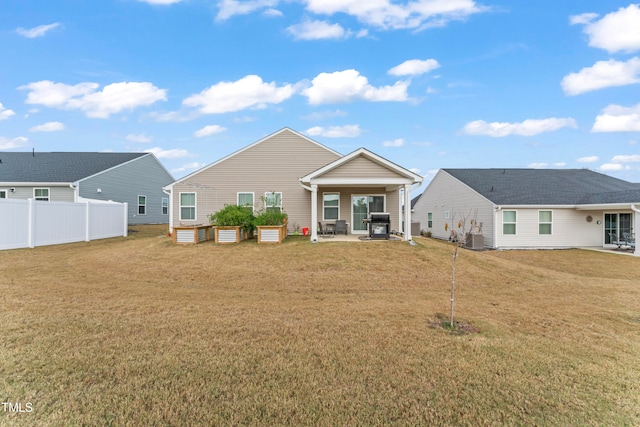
545,219
429,219
508,222
165,206
273,201
188,206
447,215
3,194
41,194
331,206
245,199
142,205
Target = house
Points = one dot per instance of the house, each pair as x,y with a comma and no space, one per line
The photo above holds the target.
532,208
311,183
134,178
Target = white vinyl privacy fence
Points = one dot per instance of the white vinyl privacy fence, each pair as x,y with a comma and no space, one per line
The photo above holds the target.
30,223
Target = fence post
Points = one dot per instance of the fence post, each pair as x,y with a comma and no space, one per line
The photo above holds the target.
87,230
126,219
32,222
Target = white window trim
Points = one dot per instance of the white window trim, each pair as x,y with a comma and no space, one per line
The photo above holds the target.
253,197
429,220
42,188
323,206
275,206
447,214
384,202
195,206
145,204
540,223
514,223
6,193
162,206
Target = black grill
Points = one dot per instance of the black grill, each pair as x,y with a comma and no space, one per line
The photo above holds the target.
379,224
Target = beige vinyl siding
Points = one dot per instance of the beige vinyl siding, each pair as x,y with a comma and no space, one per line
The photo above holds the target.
447,194
275,164
570,229
392,200
360,167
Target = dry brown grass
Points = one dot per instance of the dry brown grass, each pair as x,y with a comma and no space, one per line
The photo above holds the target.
138,331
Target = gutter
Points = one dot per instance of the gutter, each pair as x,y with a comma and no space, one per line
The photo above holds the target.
635,209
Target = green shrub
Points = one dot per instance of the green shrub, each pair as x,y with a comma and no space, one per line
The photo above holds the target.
270,217
234,216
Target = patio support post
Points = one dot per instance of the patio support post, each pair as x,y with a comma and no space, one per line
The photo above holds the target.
636,223
314,213
407,212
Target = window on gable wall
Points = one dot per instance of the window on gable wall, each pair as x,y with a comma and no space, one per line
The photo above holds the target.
165,206
142,205
429,219
245,199
273,201
187,206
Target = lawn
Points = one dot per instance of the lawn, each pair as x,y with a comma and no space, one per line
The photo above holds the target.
139,331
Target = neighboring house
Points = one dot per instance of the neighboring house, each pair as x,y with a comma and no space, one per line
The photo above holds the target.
311,182
532,208
134,178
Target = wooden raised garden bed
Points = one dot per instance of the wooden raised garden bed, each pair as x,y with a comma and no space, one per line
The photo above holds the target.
192,234
271,233
229,234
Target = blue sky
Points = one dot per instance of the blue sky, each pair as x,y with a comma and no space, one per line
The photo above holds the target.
425,83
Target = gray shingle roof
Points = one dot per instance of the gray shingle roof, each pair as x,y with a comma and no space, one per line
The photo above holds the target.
59,166
547,186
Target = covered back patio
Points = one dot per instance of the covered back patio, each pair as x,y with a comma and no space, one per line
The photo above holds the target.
353,188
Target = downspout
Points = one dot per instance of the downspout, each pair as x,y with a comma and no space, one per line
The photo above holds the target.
171,203
75,189
636,252
314,208
496,210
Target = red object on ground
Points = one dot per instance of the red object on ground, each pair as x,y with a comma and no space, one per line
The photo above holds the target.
305,231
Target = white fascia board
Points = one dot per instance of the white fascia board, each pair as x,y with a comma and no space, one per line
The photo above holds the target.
361,181
535,207
605,206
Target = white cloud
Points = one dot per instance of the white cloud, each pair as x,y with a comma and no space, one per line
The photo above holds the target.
347,131
188,166
249,91
317,30
161,2
626,158
584,18
384,14
537,165
601,75
229,8
48,127
616,118
616,32
112,99
175,153
588,159
528,127
8,144
414,67
608,167
38,31
395,143
208,131
560,164
140,137
324,115
349,85
5,113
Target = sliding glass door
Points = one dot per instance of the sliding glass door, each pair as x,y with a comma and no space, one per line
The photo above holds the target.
616,223
361,207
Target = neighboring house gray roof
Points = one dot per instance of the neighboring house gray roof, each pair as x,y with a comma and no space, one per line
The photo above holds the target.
58,166
547,186
415,200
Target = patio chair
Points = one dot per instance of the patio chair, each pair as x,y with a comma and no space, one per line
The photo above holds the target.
629,239
325,231
341,227
613,237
